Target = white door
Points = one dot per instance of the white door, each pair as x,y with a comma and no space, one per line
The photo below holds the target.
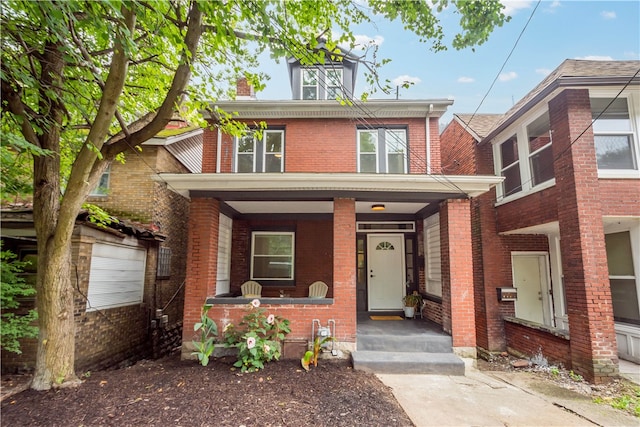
386,274
530,278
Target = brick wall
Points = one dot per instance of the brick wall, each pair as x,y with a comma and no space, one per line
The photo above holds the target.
584,259
328,145
458,312
202,259
313,257
532,341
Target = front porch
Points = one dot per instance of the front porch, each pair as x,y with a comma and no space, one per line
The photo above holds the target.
286,231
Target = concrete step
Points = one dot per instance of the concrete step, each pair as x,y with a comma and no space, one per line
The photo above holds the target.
406,343
385,362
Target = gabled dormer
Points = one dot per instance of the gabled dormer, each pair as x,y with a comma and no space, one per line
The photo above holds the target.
331,80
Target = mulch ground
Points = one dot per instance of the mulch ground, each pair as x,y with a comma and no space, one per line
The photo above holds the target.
181,393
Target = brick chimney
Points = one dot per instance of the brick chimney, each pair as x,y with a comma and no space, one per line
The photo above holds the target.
244,90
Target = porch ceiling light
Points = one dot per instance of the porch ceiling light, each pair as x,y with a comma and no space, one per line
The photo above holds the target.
377,207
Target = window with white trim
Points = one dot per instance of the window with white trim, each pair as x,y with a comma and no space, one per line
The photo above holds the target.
510,167
260,152
382,150
102,189
613,134
623,278
272,255
310,83
333,83
223,274
433,267
540,153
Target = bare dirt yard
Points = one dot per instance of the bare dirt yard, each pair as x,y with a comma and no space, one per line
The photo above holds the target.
178,393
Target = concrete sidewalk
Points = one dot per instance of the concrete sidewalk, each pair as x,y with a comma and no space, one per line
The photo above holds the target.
497,399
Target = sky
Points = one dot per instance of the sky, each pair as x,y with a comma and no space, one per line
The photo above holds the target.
548,34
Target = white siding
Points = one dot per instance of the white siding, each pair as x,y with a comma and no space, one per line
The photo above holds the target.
433,267
188,152
224,255
117,276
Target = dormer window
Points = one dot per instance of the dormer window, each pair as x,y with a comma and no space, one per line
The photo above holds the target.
334,83
309,83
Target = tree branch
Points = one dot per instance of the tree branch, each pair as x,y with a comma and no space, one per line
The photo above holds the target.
13,103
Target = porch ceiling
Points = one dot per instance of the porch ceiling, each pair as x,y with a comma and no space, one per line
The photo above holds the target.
314,192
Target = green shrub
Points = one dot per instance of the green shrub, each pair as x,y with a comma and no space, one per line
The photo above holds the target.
14,326
258,337
208,332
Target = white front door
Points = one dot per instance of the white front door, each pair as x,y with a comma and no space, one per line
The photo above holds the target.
530,275
386,271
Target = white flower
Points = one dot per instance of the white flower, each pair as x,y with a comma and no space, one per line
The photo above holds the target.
255,303
266,348
251,342
270,319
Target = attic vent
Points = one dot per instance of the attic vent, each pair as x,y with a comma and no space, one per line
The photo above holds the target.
164,262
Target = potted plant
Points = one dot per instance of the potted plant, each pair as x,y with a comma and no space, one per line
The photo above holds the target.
411,302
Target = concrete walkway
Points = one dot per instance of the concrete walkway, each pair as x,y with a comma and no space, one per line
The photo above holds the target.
497,399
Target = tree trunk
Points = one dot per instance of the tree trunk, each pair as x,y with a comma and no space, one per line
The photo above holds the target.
56,343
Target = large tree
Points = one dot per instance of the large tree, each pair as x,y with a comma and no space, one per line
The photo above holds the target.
84,81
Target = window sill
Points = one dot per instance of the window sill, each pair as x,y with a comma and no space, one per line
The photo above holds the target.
521,194
270,301
618,174
560,333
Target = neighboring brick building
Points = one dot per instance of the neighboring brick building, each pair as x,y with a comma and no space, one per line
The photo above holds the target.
564,226
330,192
145,256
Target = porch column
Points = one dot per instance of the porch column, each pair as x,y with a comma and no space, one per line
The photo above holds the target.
458,312
584,257
202,264
344,269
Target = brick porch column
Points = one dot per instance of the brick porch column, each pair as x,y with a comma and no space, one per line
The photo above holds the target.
202,264
458,309
584,258
344,268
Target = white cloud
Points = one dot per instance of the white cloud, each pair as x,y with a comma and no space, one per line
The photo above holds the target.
401,80
543,71
595,58
511,7
632,55
505,77
551,8
362,41
608,14
464,79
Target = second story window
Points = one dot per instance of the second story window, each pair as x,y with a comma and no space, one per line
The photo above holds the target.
260,152
382,150
540,154
310,83
510,166
334,83
613,134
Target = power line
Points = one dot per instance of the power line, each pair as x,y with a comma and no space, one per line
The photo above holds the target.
504,64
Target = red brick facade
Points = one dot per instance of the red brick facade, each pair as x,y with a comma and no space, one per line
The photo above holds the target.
576,202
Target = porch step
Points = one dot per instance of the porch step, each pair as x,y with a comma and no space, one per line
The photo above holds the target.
407,343
386,362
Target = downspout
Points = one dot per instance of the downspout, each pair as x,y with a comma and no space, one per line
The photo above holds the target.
428,142
218,151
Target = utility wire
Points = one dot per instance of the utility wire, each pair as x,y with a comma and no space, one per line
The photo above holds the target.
504,64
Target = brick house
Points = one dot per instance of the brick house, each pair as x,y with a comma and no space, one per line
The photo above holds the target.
564,226
346,194
144,251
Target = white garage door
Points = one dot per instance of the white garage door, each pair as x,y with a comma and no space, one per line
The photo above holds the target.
116,277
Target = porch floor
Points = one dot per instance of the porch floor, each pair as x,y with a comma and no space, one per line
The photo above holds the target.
405,327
